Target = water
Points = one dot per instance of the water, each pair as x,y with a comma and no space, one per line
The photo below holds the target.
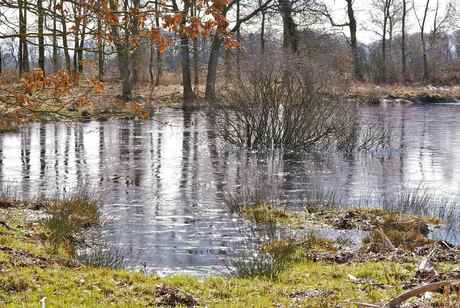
163,181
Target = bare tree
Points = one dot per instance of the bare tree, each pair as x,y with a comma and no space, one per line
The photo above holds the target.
352,26
422,23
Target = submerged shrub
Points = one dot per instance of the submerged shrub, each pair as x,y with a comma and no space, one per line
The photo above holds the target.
274,110
67,218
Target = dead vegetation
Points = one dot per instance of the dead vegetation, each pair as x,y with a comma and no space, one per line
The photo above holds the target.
406,94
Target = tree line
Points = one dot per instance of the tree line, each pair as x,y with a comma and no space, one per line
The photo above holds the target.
54,35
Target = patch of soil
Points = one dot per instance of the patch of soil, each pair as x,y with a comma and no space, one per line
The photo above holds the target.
23,258
172,297
311,293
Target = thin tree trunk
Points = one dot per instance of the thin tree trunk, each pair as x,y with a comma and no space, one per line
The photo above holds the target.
196,58
196,65
137,53
64,39
81,46
426,73
152,49
384,40
55,44
159,60
262,34
21,38
25,49
238,38
159,68
100,51
403,41
76,47
41,39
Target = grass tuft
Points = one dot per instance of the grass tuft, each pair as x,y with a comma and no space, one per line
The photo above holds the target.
67,218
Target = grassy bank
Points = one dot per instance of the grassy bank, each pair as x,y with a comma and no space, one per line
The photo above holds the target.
37,261
30,272
376,94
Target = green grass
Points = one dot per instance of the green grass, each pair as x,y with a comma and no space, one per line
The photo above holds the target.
29,272
23,283
89,287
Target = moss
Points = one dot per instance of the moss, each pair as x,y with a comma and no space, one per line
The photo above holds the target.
403,230
268,214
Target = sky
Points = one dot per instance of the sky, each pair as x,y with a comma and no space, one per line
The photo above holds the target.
362,11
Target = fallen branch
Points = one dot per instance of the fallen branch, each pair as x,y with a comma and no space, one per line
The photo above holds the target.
395,302
7,226
364,305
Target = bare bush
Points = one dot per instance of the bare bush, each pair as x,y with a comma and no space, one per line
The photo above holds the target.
297,111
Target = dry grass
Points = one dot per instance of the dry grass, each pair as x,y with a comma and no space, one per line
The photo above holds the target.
373,91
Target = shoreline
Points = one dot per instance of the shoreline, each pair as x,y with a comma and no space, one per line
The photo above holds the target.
322,272
107,105
374,94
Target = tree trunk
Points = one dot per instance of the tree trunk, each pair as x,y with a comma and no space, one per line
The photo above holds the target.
403,41
23,54
123,57
290,35
159,60
238,38
195,54
81,46
196,66
426,73
384,41
100,51
212,67
152,49
125,73
41,39
159,68
262,34
186,71
21,37
136,61
76,47
357,71
64,39
55,44
25,49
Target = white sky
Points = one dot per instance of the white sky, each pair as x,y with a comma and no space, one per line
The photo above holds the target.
362,11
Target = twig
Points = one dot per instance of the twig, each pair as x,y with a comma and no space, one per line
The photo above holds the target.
395,302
